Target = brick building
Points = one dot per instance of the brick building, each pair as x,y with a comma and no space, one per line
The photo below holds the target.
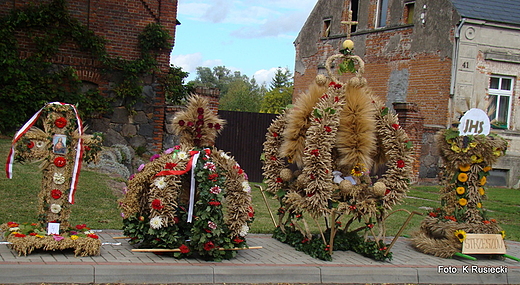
120,23
427,58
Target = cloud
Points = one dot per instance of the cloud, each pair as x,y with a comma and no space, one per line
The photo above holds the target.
286,25
264,76
190,62
218,11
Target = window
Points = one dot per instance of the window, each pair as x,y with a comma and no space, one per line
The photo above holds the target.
382,9
500,94
409,8
353,6
326,27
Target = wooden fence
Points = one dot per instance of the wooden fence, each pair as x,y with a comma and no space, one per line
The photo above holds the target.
243,138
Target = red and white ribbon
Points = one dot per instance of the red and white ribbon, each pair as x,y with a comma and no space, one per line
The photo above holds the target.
79,148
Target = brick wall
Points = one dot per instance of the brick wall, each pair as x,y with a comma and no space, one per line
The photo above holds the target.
119,22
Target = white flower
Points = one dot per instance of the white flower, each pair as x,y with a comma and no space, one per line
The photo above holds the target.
182,155
160,182
244,230
246,187
212,225
215,190
88,232
58,178
210,166
15,229
156,222
55,208
224,155
39,143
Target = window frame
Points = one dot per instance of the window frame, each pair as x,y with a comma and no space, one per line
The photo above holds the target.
501,95
379,12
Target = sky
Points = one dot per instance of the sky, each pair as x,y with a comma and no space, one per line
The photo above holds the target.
254,37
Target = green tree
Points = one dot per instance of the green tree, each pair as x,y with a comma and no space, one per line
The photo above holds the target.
280,93
175,89
237,91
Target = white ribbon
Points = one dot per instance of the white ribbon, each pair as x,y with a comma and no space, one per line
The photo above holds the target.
192,187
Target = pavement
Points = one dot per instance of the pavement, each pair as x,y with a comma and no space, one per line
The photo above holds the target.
275,262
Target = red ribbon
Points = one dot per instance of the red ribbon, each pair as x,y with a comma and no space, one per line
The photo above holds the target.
179,172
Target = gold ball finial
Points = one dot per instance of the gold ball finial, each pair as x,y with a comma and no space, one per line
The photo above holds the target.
321,80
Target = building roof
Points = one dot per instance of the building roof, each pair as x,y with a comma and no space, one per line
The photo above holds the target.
502,11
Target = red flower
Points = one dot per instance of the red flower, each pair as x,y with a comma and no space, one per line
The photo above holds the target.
279,180
486,222
273,157
80,227
315,152
94,236
305,240
56,193
207,151
200,110
312,176
400,163
200,117
275,134
181,123
214,203
352,207
157,204
60,122
213,177
452,218
395,126
336,99
176,220
30,145
387,191
432,214
170,165
190,124
217,126
209,246
86,148
238,240
493,220
184,249
210,125
325,96
12,224
251,212
370,226
383,248
60,161
19,235
310,194
335,85
33,234
328,129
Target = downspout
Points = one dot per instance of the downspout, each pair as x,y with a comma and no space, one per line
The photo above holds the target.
454,64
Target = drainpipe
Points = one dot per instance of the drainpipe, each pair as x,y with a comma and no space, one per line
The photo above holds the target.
455,59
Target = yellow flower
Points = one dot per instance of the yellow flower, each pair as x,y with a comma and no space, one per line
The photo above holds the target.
74,237
463,202
39,236
497,152
486,169
481,191
461,190
479,205
463,177
464,167
14,233
503,233
455,148
461,235
476,159
483,181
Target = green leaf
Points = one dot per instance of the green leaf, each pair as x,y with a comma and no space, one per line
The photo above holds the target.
384,112
317,113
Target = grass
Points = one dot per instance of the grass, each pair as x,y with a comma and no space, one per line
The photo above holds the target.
96,202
